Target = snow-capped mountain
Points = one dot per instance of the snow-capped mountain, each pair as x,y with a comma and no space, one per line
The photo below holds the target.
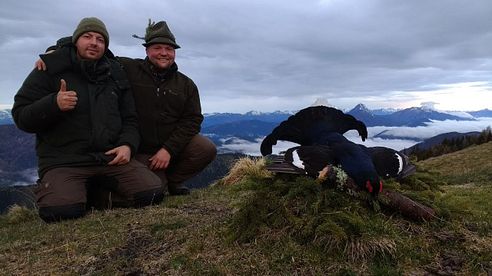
5,117
411,117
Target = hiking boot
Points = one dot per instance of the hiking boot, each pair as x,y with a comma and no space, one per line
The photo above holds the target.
178,191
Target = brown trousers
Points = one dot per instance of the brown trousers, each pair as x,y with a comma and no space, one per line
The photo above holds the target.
68,185
199,152
103,191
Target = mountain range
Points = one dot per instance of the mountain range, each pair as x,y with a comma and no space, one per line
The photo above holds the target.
224,127
17,149
410,117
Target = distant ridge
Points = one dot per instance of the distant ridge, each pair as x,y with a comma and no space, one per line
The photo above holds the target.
223,118
411,117
414,116
438,139
481,113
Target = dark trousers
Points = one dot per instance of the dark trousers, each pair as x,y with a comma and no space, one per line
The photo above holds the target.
62,192
199,152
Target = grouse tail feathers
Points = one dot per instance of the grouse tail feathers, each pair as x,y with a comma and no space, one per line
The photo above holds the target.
278,164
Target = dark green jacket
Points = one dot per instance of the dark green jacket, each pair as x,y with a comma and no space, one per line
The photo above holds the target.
169,110
103,119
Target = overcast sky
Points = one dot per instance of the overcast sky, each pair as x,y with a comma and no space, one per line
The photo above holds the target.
283,55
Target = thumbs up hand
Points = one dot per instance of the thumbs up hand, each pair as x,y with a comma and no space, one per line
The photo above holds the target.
66,100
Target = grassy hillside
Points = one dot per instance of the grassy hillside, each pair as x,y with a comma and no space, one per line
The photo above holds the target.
252,222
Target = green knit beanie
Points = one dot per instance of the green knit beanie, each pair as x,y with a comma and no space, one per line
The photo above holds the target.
91,24
159,33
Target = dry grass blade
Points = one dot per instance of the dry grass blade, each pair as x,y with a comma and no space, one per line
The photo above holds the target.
363,250
246,167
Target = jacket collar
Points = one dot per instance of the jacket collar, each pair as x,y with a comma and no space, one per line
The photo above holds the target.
148,67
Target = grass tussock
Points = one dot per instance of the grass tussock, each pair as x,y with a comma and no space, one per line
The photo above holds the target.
325,219
246,167
18,214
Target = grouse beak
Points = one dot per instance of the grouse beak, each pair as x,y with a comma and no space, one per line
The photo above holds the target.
323,175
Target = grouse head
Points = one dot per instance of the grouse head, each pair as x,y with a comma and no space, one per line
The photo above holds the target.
374,187
361,129
267,144
369,181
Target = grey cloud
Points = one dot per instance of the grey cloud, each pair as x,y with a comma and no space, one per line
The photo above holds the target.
296,51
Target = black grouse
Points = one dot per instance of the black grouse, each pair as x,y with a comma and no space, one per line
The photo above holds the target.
303,126
336,150
319,131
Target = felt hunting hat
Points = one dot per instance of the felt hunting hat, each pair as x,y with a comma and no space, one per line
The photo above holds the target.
159,33
91,24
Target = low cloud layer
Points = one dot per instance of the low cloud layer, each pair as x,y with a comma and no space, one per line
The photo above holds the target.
416,133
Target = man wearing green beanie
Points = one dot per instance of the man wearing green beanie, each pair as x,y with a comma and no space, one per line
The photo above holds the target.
169,111
91,24
83,114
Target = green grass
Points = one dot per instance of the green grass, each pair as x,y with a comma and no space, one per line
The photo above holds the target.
471,165
255,223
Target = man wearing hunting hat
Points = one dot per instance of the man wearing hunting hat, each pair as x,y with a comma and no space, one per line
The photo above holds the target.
83,114
169,111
